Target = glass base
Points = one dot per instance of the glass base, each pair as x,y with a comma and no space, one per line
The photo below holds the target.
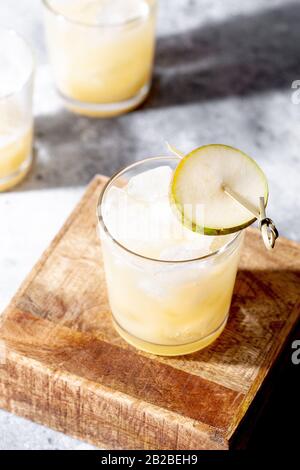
170,350
9,181
105,109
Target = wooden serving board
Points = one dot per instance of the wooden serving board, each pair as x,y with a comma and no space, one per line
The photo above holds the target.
63,365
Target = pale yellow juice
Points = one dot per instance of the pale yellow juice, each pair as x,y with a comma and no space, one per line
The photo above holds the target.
173,296
15,156
101,56
15,143
16,121
169,310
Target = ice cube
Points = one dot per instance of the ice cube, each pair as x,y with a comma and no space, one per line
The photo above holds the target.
141,218
114,211
119,11
8,82
13,71
115,199
131,222
150,185
153,288
187,250
163,280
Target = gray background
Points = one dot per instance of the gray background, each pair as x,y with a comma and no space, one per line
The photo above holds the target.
223,74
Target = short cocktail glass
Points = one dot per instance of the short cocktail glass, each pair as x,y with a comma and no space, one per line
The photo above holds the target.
101,53
164,306
16,122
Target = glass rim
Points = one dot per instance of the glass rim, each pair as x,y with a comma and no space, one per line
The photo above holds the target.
99,214
135,19
30,75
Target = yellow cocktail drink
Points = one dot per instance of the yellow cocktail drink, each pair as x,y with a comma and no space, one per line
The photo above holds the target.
169,288
101,52
15,155
16,122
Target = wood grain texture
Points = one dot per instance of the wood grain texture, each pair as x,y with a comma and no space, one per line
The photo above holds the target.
62,364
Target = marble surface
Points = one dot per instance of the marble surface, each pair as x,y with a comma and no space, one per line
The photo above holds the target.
223,73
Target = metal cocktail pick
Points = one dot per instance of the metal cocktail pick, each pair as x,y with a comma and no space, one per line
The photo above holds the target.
267,227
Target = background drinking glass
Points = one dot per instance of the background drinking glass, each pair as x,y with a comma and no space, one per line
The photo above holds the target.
16,122
101,52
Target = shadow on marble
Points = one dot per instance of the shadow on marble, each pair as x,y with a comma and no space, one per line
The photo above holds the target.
70,150
244,55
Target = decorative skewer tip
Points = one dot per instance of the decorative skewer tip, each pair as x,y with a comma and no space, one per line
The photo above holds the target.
174,150
267,227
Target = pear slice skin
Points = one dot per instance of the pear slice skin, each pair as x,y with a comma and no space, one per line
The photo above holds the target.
212,167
